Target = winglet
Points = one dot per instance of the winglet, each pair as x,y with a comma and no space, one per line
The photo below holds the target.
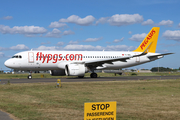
150,41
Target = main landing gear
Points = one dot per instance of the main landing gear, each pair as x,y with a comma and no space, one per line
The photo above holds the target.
93,75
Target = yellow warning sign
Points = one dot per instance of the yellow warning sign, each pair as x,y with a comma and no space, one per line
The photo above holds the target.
100,111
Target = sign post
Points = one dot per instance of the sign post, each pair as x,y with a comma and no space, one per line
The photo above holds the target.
100,111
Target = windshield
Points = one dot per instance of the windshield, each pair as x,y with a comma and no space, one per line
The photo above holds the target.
17,56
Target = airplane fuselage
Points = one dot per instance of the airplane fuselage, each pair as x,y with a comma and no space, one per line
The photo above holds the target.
55,60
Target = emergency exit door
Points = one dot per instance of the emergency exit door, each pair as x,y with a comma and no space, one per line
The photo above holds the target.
31,57
137,58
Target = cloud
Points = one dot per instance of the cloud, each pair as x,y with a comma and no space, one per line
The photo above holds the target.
83,47
55,33
2,54
44,43
99,48
68,32
47,48
76,47
129,32
125,19
57,25
88,20
148,22
60,44
93,39
102,20
179,25
25,30
19,47
170,45
119,48
73,42
138,37
7,18
165,23
172,35
118,40
2,48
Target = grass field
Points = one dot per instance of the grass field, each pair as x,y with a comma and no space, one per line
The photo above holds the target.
136,100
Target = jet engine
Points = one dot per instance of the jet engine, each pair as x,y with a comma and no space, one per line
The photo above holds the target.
75,69
57,72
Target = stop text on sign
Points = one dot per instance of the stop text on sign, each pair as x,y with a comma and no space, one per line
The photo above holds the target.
100,106
100,111
57,57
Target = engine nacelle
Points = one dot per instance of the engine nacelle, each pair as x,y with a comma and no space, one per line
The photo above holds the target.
57,72
75,69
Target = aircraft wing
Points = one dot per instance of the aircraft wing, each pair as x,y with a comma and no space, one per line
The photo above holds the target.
122,59
110,60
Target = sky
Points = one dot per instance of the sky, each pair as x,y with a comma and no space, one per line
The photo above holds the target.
89,25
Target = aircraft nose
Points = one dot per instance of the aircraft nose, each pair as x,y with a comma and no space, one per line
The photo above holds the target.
8,63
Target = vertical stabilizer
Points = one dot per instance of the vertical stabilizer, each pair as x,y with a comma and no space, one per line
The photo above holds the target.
150,41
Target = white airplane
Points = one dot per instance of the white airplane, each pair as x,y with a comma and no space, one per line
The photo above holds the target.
77,63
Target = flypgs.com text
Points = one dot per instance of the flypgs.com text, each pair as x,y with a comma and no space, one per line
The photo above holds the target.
57,57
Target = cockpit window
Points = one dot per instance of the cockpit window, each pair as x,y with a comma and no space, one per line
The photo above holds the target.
17,56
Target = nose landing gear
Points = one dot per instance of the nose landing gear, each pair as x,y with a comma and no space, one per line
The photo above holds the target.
29,76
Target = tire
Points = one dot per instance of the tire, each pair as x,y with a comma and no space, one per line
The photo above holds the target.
80,76
29,77
93,75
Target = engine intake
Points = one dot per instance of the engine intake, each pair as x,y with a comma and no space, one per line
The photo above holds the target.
75,69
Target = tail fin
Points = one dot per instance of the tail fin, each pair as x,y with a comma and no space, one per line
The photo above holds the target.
150,41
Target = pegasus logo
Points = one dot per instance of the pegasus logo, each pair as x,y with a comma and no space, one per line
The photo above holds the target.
147,39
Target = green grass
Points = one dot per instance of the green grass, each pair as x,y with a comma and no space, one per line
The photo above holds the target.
136,100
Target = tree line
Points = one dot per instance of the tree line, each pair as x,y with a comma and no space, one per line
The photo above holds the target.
163,69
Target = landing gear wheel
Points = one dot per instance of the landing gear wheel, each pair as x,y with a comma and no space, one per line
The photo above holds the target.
80,76
93,75
29,77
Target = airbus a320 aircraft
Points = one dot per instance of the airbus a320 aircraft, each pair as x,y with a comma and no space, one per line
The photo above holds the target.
77,63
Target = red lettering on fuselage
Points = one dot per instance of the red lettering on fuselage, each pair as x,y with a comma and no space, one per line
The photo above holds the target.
57,57
147,39
44,57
